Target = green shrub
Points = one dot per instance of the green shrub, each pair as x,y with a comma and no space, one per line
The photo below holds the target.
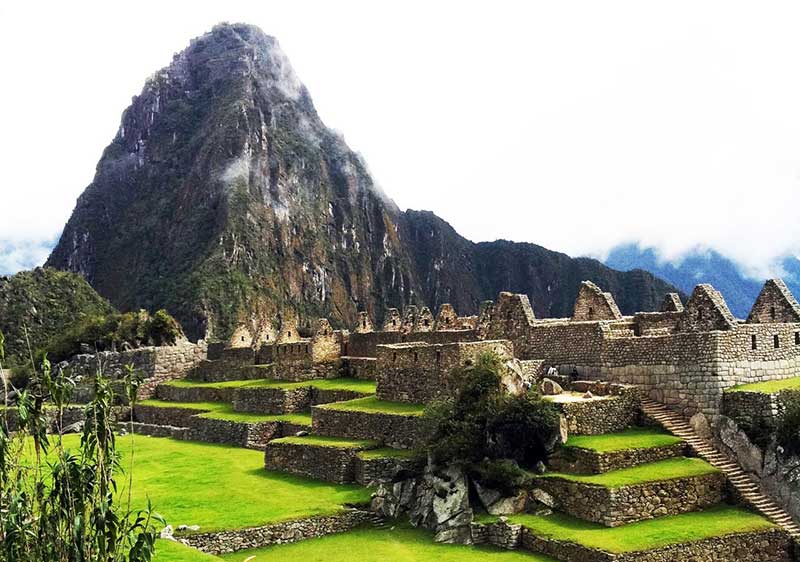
788,427
103,333
488,431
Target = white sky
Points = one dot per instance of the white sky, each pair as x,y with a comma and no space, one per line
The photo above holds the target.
573,124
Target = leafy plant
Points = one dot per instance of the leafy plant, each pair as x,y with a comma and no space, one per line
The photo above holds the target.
787,431
488,431
62,505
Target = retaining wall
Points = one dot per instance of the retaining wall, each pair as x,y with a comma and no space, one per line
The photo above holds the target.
399,431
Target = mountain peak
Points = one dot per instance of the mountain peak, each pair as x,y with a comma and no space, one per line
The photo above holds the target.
226,200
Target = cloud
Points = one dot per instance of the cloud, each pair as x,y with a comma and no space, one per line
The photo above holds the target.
18,256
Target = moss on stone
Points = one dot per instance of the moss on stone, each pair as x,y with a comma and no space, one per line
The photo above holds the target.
668,469
632,438
372,404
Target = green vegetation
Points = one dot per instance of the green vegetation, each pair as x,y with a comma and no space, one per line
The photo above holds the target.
225,411
401,544
768,387
334,442
645,535
386,453
668,469
114,330
480,428
631,438
172,551
202,406
787,430
229,414
220,487
44,303
372,404
354,385
64,505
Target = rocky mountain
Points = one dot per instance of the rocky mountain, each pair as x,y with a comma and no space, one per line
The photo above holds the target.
226,200
704,266
37,305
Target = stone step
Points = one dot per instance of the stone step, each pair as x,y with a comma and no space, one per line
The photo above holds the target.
613,451
619,497
321,458
394,424
738,478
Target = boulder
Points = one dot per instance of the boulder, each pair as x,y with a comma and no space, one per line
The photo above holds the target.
738,445
540,496
509,505
549,387
700,424
563,428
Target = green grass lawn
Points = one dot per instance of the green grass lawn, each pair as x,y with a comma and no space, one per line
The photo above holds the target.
645,535
768,387
221,487
171,551
401,544
354,385
386,453
668,469
334,442
631,438
204,406
228,413
225,411
372,404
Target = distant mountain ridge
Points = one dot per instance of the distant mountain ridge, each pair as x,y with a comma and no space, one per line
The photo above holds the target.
226,200
703,265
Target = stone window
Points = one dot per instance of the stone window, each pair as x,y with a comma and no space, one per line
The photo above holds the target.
753,342
288,334
700,313
797,338
394,357
591,313
394,322
416,357
364,324
438,356
772,314
776,340
306,349
242,338
426,322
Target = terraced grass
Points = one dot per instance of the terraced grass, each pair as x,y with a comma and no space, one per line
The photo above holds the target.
353,385
632,438
335,442
220,487
225,411
229,414
205,406
768,387
372,404
386,453
645,535
668,469
401,544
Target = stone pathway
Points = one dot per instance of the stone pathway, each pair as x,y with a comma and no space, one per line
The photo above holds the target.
739,479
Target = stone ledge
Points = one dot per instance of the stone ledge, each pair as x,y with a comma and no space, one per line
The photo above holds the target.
172,393
772,545
320,462
369,472
395,430
613,507
224,542
586,461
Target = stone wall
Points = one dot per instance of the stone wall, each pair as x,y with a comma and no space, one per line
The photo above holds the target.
331,464
156,364
394,430
371,471
761,546
585,461
755,409
253,435
613,507
366,344
608,411
285,401
364,368
155,415
224,542
193,393
419,372
304,370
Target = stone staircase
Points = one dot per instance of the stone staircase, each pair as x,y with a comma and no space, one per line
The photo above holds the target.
742,483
